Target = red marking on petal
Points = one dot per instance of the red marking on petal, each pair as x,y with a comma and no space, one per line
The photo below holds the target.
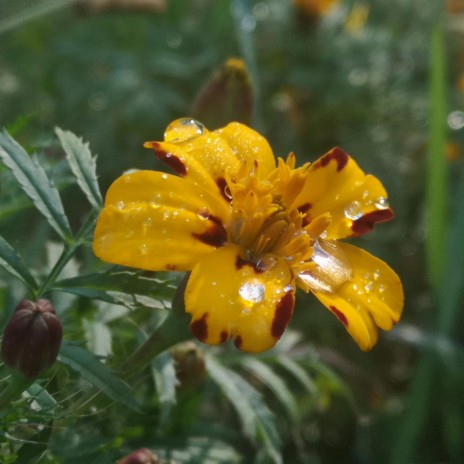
170,267
340,316
303,209
336,154
238,341
171,160
224,336
366,223
283,314
394,321
199,328
224,189
215,235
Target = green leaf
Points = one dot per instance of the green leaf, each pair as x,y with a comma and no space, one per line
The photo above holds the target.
298,373
13,263
35,183
275,383
45,403
33,451
164,374
98,374
257,420
131,289
82,165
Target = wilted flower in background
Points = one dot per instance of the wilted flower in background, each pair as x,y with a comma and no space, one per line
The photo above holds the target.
32,338
251,230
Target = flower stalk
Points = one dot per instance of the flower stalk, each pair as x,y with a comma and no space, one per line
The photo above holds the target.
173,330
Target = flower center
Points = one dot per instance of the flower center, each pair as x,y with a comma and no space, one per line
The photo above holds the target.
267,225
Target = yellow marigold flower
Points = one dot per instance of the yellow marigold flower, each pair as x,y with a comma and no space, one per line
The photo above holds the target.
251,230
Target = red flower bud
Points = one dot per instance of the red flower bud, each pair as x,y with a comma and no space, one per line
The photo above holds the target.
140,456
32,338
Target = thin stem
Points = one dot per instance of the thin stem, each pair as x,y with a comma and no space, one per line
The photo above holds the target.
172,331
14,388
67,253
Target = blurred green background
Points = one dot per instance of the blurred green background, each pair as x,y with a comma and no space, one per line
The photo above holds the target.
384,79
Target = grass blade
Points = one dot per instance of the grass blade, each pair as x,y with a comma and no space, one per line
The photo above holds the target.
98,374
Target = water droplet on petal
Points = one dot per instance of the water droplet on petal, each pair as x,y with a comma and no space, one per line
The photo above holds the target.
376,274
332,271
381,203
252,291
143,249
266,263
120,205
183,129
148,222
353,211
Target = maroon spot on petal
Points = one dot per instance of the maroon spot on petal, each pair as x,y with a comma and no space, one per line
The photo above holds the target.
303,209
283,314
240,262
366,223
336,154
340,316
224,189
171,267
215,234
238,341
224,336
394,321
171,160
199,328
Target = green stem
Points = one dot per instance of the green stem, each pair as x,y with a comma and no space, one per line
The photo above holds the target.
173,330
17,385
68,252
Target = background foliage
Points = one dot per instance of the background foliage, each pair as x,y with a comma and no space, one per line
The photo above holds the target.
383,79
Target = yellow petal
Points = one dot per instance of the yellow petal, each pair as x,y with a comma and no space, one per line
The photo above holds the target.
229,297
209,158
249,146
156,221
335,184
372,298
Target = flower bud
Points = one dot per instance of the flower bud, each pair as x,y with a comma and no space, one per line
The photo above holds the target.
190,364
226,96
140,456
32,338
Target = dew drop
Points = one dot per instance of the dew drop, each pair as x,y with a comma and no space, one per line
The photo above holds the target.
353,211
252,291
148,222
333,268
143,248
376,274
381,203
266,263
120,205
368,287
183,129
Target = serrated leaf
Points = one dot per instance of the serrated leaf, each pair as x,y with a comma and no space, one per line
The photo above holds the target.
257,420
36,184
164,374
130,289
98,374
12,262
275,384
82,164
298,373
